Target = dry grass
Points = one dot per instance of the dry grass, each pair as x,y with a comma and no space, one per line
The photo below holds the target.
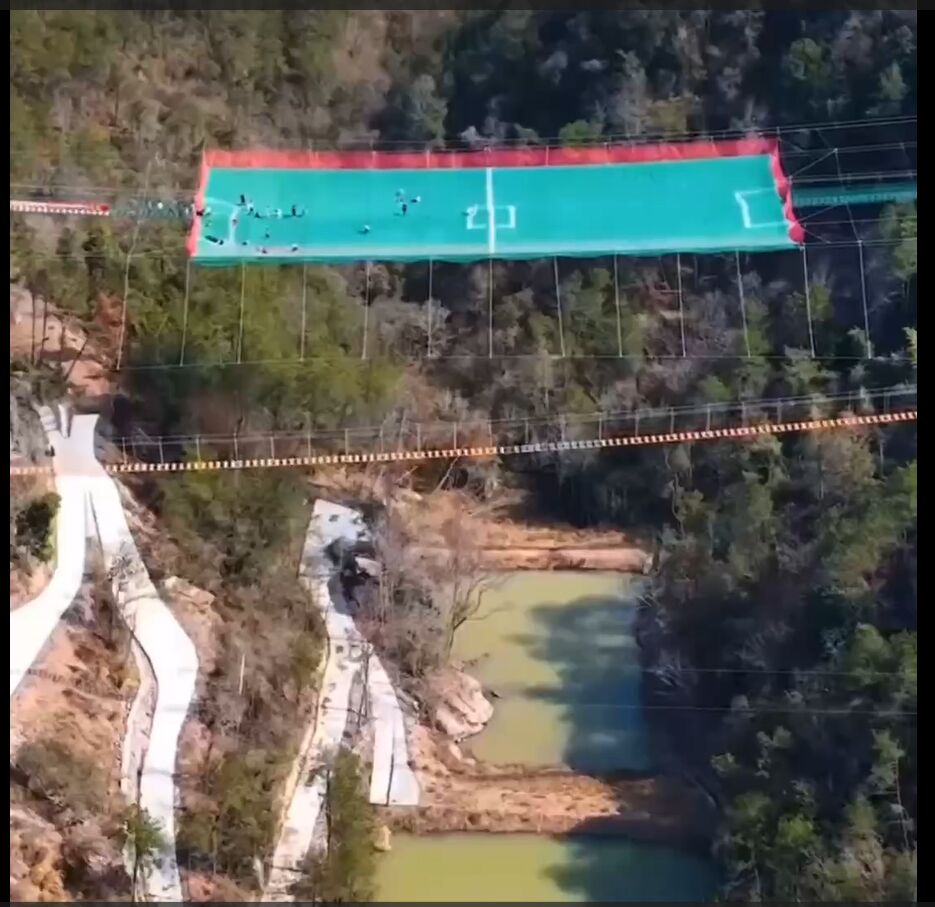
67,727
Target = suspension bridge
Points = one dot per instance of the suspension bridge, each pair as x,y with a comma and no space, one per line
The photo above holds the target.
488,203
566,433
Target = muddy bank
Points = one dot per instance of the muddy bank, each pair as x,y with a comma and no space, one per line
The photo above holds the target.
501,529
464,794
648,829
508,542
557,556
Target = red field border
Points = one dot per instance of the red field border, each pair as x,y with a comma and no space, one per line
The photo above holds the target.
273,159
195,233
739,432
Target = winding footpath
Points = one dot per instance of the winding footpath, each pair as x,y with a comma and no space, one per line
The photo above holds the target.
90,506
90,498
393,780
32,624
174,663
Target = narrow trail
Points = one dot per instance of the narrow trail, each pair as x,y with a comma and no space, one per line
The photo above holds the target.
393,780
174,662
32,624
91,506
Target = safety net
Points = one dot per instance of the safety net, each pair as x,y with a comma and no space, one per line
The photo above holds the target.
320,206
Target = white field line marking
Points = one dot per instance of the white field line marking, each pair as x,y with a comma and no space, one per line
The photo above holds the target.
744,209
748,223
491,214
217,207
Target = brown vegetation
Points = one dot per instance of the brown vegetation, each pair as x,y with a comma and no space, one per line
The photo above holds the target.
225,553
461,794
67,728
505,539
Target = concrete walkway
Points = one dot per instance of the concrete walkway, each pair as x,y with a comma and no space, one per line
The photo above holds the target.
392,780
91,505
174,662
32,624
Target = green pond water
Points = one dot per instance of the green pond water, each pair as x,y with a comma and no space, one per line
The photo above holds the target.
485,867
558,648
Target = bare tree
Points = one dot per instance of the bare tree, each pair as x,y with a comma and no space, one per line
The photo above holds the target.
119,575
423,594
461,579
399,615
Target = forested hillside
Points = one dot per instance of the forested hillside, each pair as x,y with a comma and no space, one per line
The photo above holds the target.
785,600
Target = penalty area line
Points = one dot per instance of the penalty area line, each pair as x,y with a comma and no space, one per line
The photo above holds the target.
491,215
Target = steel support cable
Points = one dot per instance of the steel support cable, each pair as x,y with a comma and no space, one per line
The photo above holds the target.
808,302
516,357
743,304
164,251
863,281
444,427
734,433
368,143
126,274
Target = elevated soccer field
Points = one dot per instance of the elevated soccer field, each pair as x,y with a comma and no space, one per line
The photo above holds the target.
286,206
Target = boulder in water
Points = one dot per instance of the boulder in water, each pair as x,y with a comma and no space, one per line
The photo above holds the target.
383,841
461,708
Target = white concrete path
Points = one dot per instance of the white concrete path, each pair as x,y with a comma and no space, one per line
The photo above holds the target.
91,505
32,624
393,780
174,663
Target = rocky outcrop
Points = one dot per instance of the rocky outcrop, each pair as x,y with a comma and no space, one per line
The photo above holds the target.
77,862
188,592
27,438
41,332
460,707
368,566
383,840
36,871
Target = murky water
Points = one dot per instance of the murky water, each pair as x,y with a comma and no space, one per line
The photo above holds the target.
558,648
485,867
